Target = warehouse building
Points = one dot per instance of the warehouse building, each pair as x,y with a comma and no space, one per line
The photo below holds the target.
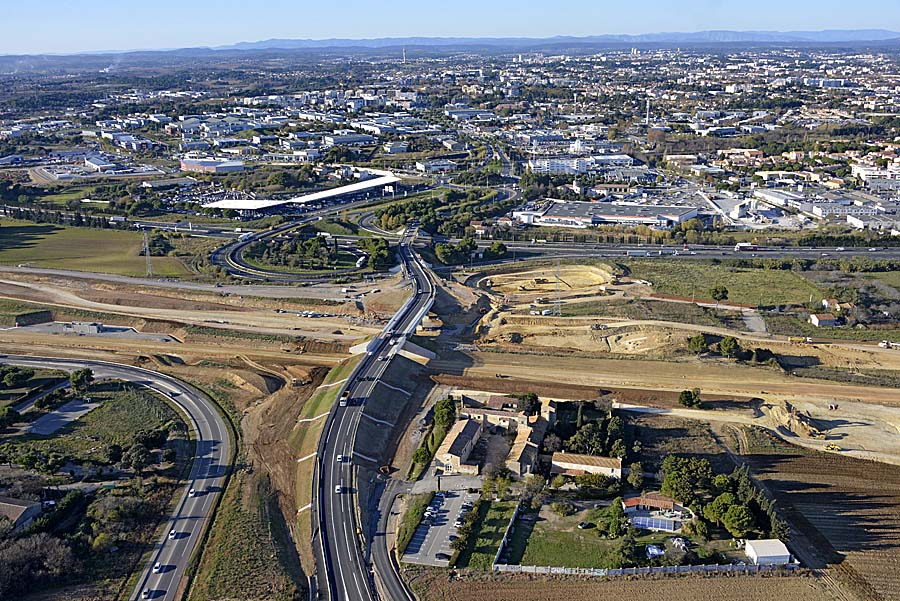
767,552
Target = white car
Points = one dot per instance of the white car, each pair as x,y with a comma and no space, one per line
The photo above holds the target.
338,489
146,594
173,534
192,492
340,459
157,568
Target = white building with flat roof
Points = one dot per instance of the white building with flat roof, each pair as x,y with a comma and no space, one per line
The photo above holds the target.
767,552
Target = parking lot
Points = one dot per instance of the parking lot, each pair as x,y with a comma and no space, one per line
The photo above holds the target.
432,536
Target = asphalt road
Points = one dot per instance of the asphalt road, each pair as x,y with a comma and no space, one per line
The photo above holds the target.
346,574
211,463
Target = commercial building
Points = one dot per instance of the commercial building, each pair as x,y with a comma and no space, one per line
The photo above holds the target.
436,166
767,552
211,166
586,214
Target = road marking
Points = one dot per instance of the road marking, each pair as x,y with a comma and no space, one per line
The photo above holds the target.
310,456
304,508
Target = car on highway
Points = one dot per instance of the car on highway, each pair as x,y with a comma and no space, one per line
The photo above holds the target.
340,458
147,594
383,358
173,534
157,568
192,492
338,489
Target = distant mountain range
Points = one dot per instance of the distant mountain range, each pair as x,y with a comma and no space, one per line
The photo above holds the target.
830,36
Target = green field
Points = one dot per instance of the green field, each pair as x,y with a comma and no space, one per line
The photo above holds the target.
81,249
745,286
485,539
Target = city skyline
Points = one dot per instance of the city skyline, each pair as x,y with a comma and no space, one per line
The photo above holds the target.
56,27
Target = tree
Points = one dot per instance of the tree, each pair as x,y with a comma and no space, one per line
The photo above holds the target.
738,520
719,293
716,509
697,344
445,413
729,347
421,456
81,379
114,453
636,475
137,458
529,403
616,521
17,377
558,481
589,440
690,398
618,449
552,443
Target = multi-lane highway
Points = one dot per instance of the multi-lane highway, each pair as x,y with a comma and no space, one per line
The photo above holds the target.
346,576
212,460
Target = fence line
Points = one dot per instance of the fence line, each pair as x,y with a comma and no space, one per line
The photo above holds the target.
604,573
509,529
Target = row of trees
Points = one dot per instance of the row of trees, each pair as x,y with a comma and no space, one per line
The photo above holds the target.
381,255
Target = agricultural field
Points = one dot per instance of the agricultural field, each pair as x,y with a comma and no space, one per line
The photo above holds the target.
745,286
433,585
80,249
662,435
847,511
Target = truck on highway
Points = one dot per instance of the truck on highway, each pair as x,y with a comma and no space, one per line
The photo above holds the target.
800,340
245,236
345,398
889,344
745,247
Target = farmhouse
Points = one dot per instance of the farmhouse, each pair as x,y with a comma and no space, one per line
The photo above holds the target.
457,446
655,512
19,512
823,320
571,464
767,552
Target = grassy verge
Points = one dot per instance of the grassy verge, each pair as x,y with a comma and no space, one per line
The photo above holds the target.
415,509
645,309
430,443
493,518
304,441
242,551
345,260
81,249
745,286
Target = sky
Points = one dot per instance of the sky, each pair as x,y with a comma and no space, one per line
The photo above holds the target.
69,26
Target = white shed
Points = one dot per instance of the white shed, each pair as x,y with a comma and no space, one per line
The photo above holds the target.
767,552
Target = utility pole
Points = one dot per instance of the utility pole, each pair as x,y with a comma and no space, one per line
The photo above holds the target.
558,311
147,255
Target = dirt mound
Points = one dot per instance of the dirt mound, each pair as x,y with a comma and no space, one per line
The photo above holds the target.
544,279
785,415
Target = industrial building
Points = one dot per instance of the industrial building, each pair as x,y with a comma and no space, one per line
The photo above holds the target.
767,552
576,214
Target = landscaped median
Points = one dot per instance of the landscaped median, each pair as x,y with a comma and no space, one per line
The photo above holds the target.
304,441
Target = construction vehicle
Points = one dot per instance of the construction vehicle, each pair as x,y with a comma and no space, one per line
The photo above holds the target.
833,447
800,340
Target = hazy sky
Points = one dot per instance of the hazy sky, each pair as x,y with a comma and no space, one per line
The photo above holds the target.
35,26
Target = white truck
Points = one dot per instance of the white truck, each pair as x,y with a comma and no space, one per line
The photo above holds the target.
889,344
